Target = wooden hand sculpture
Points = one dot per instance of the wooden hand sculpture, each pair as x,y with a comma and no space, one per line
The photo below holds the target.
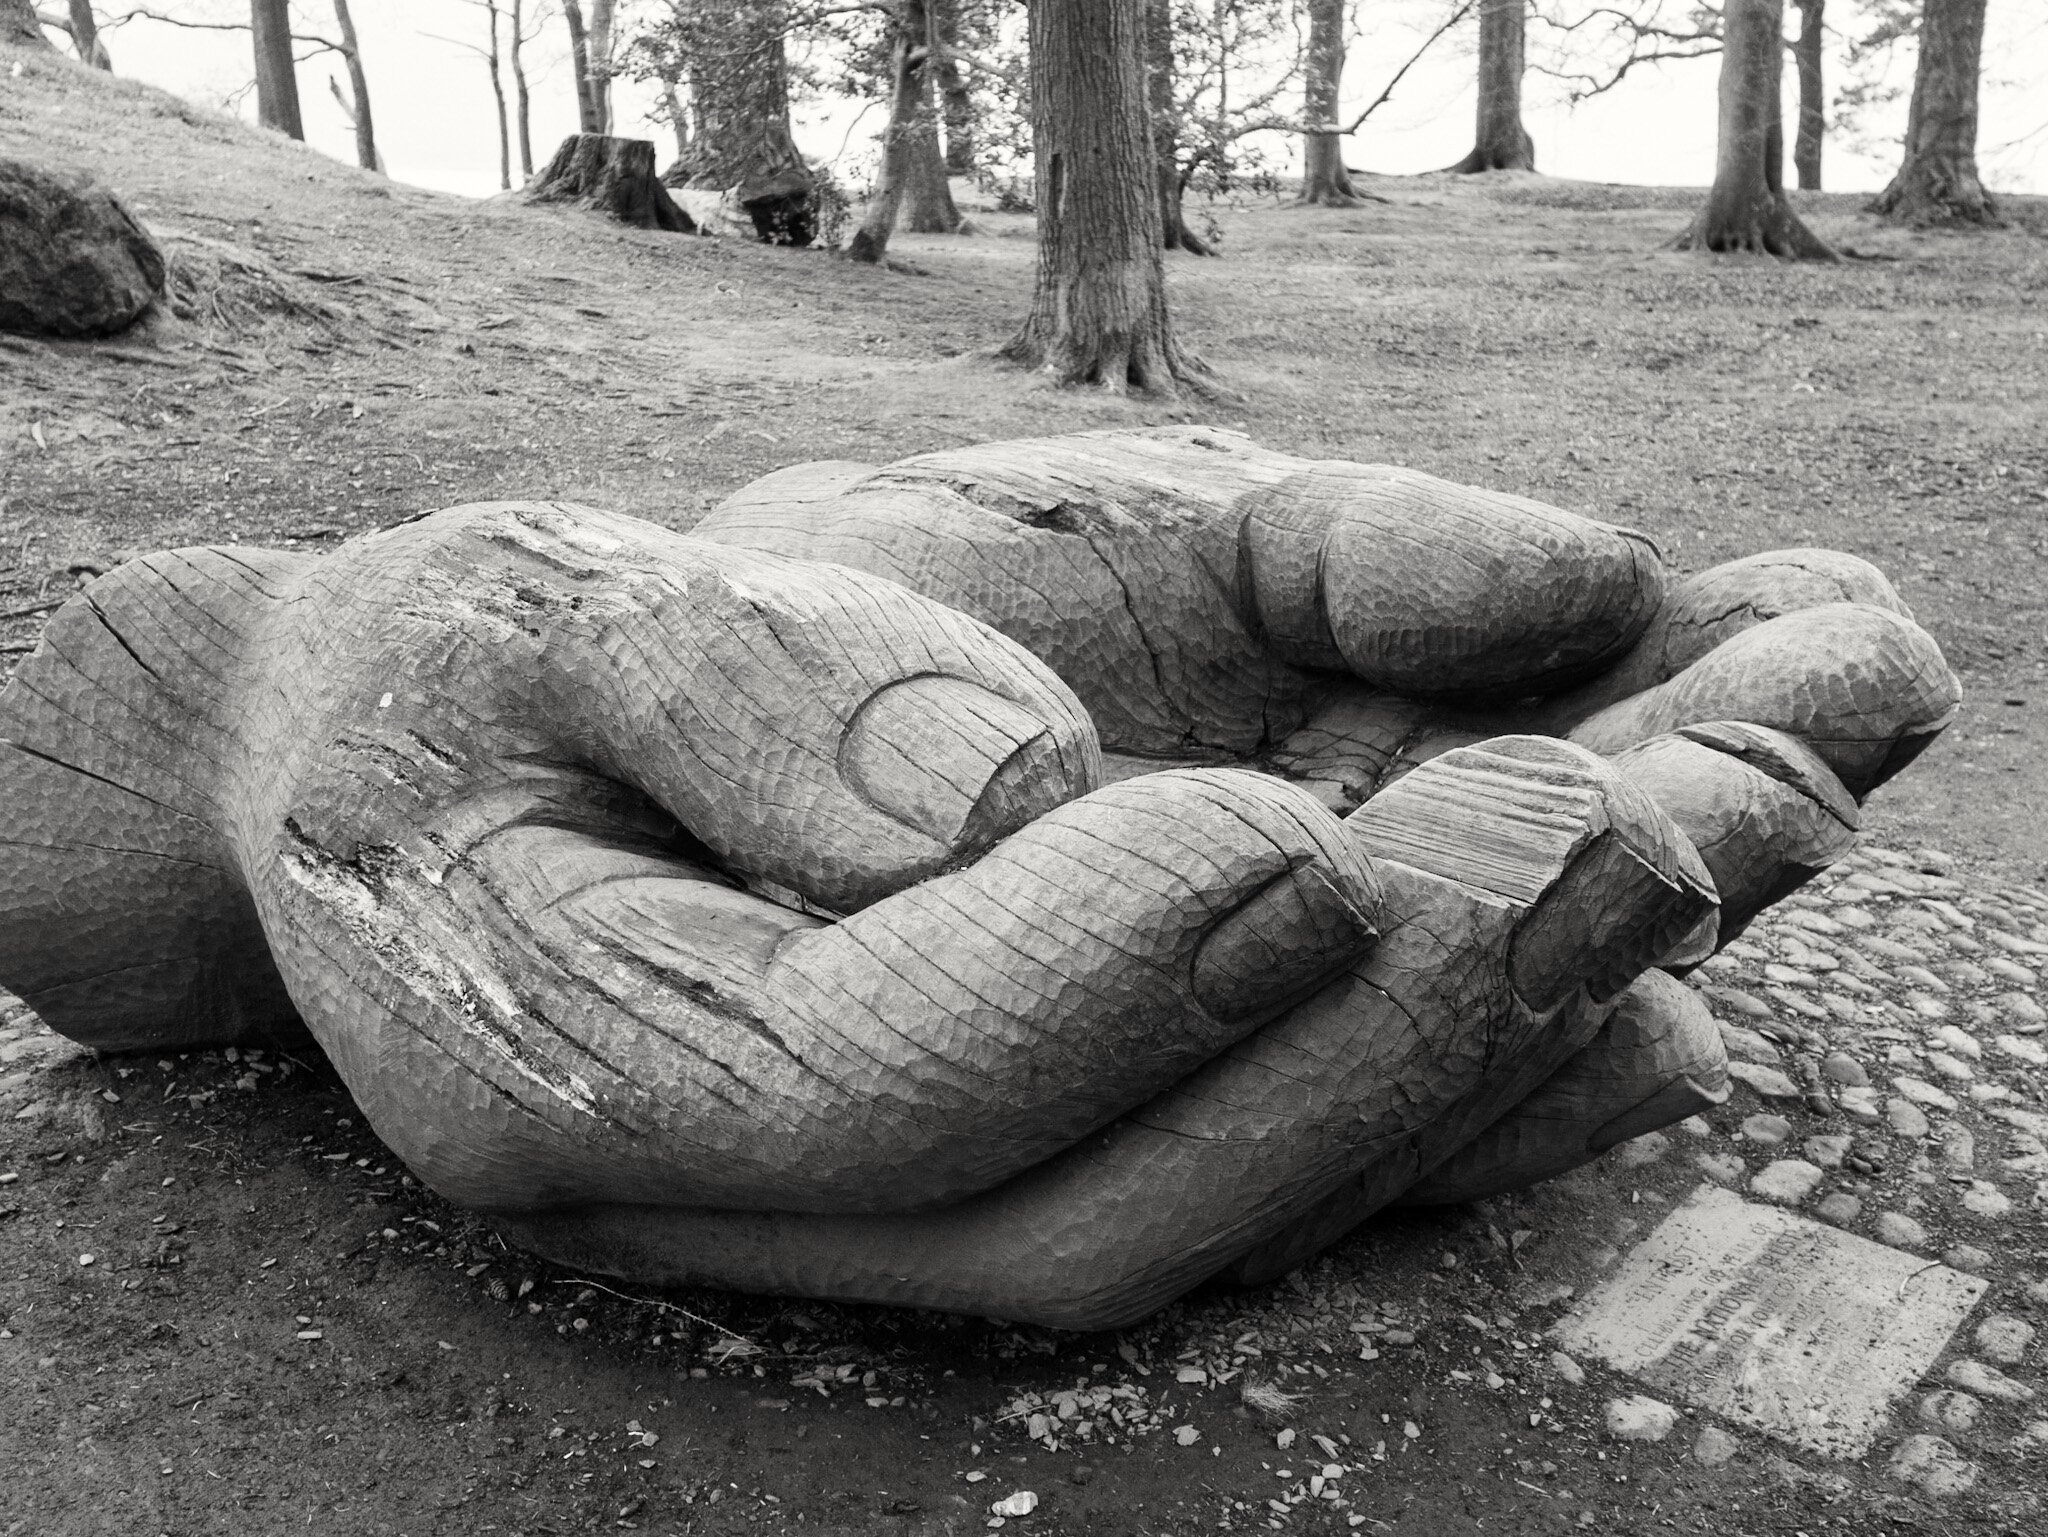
707,912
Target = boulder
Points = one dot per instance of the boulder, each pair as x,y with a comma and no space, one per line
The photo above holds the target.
73,259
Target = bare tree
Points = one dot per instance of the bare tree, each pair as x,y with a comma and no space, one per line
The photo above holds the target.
1164,103
1938,182
1746,208
85,36
590,51
517,40
1806,55
277,76
1501,143
910,145
1324,176
587,118
1098,314
358,109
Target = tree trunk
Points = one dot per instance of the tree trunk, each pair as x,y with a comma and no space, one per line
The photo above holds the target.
1501,143
498,96
359,85
1098,315
277,76
678,115
19,27
524,115
956,101
613,176
1806,53
579,66
928,200
739,126
908,53
1324,177
600,51
1746,208
1938,182
85,36
1165,112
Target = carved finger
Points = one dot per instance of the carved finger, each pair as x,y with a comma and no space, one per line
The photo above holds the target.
1351,1088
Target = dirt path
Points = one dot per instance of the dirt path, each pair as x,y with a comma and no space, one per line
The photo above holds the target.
278,1332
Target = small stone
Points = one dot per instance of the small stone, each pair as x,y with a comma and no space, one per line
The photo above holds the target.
1767,1130
2023,1011
1924,1093
1788,976
1747,1045
1766,1081
1788,1181
1714,1447
1986,1200
1967,1256
1845,1070
1696,1126
1905,1118
1932,862
1840,1208
1900,1231
1860,1105
1926,1007
1951,1410
1566,1369
2027,1051
1961,1042
1639,1418
1932,1464
2004,1339
1827,1151
1740,1002
1987,1382
1722,1168
1958,1148
1638,1152
1950,1066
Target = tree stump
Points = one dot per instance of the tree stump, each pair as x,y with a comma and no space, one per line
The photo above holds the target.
73,259
611,176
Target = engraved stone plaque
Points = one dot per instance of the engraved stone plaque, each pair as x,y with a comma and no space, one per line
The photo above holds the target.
1768,1318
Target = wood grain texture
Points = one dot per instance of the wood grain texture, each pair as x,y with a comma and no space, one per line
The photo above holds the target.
760,907
1656,1060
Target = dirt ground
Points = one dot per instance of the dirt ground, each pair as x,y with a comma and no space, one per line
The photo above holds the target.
276,1330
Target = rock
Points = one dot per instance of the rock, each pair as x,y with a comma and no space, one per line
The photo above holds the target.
2023,1011
1936,1467
2027,1051
1924,1093
1767,1130
1950,1066
1722,1168
1984,1199
1740,1002
1696,1126
2032,1439
1646,1149
1766,1081
1566,1369
1747,1045
73,260
1840,1208
1788,1181
1860,1105
1900,1231
1932,862
2004,1339
1958,1148
1951,1410
1827,1151
1639,1418
1987,1382
1843,1069
1961,1042
1967,1256
1714,1447
1905,1118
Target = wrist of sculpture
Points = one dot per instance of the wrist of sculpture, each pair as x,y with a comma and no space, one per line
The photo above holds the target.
1028,880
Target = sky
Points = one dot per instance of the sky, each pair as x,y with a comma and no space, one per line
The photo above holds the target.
436,123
